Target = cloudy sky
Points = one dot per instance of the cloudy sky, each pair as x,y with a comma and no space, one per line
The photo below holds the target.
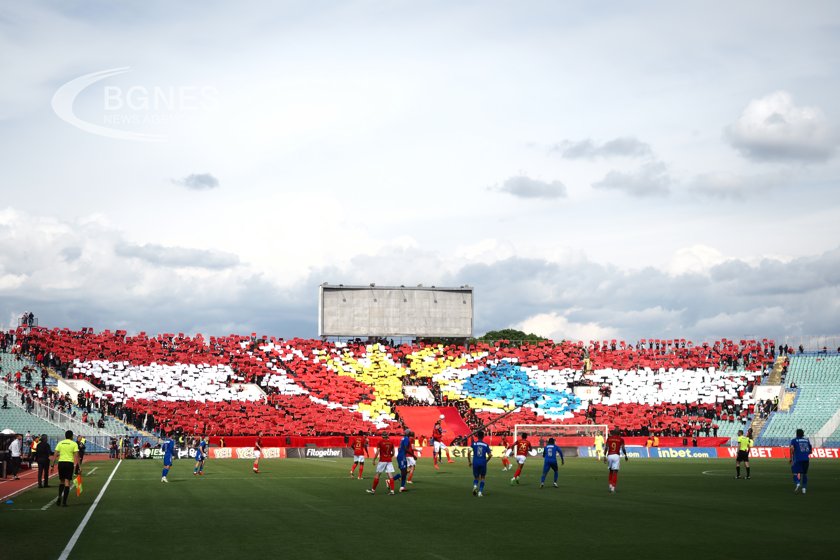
594,170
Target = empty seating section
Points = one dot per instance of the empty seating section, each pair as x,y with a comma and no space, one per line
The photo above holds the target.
317,387
817,379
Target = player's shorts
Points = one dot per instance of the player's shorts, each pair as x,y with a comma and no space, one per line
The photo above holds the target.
402,464
520,459
508,452
199,456
383,467
257,453
65,470
167,460
358,458
799,467
411,461
479,470
439,445
742,456
613,461
552,466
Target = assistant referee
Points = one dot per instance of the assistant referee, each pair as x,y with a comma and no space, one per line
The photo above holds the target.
67,457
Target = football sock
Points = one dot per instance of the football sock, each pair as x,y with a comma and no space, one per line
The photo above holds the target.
805,481
796,478
165,471
361,468
481,486
475,482
60,490
748,471
518,472
391,484
353,468
66,493
555,478
375,483
410,476
737,471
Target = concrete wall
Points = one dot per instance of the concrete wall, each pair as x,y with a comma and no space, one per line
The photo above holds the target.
394,311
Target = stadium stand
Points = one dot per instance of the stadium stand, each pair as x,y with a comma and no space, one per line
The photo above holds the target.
240,385
817,381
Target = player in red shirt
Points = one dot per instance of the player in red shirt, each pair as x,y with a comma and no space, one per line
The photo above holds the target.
385,454
506,466
411,460
359,444
257,453
437,440
521,449
615,445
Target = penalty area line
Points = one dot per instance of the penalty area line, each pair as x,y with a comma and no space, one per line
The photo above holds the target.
69,548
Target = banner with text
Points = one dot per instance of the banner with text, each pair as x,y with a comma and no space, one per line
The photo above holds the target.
246,453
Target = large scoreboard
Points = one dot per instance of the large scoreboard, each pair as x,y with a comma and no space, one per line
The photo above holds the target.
395,311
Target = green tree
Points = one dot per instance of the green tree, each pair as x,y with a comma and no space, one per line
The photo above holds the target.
511,334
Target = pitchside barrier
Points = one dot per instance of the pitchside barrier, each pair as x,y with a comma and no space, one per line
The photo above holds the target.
458,452
635,452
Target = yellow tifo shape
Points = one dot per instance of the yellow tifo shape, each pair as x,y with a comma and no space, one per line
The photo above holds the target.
430,361
380,373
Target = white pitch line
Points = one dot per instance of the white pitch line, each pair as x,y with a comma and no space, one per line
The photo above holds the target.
67,549
91,471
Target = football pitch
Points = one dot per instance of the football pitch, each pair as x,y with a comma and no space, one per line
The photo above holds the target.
310,508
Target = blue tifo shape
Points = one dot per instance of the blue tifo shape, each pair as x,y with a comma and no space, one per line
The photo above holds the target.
10,502
508,382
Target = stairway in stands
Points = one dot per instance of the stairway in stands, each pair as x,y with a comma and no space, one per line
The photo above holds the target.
421,420
775,377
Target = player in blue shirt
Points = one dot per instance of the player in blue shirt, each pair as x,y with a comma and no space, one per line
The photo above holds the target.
550,454
200,455
403,451
481,454
800,453
168,448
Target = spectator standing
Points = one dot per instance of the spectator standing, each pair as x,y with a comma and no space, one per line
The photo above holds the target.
14,453
42,457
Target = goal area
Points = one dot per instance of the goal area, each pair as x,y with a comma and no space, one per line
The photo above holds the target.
575,435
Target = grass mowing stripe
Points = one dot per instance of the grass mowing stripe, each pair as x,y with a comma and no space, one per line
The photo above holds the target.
67,549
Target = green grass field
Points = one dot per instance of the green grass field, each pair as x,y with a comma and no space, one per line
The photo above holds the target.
311,509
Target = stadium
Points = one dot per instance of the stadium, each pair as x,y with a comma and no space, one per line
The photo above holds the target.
433,280
679,407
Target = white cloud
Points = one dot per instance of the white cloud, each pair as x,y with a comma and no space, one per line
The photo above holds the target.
650,180
737,186
617,147
774,128
697,259
198,182
558,327
177,256
525,187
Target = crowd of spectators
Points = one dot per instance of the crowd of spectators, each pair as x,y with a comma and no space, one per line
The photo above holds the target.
135,374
